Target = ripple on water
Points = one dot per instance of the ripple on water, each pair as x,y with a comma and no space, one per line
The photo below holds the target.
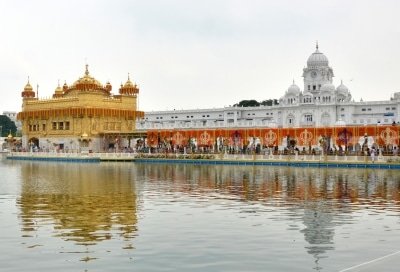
204,218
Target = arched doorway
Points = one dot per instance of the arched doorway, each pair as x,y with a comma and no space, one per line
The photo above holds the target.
33,143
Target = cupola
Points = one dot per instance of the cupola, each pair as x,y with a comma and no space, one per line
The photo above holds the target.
129,88
28,91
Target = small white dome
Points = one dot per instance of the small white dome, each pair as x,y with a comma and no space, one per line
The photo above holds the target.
293,89
342,89
328,87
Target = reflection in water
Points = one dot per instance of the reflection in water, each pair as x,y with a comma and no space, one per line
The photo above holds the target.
90,203
82,204
253,183
321,198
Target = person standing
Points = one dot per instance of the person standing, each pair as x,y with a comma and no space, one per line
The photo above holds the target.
373,155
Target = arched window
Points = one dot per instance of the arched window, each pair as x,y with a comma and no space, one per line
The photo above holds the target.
290,120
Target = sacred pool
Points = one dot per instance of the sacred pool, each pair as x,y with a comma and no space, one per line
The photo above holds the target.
58,216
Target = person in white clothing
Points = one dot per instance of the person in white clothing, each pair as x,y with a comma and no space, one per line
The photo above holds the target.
373,155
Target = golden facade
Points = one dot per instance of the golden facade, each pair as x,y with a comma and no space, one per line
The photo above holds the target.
79,117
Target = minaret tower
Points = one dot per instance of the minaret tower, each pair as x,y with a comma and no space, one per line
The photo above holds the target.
317,73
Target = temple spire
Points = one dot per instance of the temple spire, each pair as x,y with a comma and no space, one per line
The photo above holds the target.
316,45
87,69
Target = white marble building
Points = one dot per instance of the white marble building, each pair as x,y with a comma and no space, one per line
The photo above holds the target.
319,104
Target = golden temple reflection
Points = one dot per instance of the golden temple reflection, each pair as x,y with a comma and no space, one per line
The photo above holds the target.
90,203
83,205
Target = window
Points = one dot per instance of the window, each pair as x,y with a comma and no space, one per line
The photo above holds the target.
44,127
342,115
54,125
342,109
67,125
314,87
387,108
363,109
393,108
369,109
309,87
308,117
208,115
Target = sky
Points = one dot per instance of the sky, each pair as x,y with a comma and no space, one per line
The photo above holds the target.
197,54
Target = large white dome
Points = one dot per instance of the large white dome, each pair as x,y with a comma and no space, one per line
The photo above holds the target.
317,59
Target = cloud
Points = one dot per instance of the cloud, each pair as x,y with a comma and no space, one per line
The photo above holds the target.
192,54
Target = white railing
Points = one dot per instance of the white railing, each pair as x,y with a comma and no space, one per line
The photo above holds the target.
119,155
219,156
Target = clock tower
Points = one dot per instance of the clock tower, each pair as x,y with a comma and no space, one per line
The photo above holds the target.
317,73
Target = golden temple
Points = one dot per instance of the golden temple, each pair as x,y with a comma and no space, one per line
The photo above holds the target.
84,116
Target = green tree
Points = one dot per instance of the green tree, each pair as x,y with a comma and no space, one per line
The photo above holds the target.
269,102
248,103
6,125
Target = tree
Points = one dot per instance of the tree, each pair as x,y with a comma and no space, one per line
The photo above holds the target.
248,103
255,103
6,125
270,102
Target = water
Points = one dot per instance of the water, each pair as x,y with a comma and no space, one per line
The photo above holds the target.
157,217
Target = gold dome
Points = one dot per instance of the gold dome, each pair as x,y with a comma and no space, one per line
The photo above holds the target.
28,91
87,83
129,88
28,87
58,92
129,83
